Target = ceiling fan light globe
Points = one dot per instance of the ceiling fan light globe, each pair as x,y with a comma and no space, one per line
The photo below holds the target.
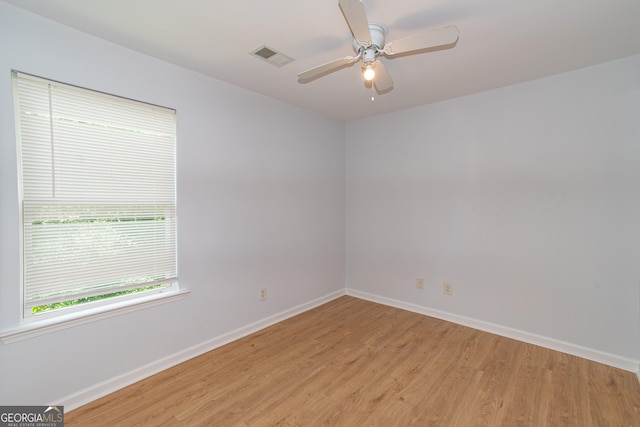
369,73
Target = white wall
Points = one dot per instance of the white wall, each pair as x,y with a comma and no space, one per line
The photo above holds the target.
260,199
526,199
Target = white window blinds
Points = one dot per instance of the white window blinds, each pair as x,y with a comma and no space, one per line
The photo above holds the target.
98,192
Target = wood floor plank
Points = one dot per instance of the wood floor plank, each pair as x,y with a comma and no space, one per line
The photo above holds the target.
355,363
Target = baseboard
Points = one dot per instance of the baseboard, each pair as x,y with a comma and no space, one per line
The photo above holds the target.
553,344
99,390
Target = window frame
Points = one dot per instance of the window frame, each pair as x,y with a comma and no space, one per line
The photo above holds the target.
38,323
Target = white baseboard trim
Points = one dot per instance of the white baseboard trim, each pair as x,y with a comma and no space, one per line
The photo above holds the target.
542,341
111,385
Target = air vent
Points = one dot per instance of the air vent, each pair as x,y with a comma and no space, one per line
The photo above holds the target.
271,56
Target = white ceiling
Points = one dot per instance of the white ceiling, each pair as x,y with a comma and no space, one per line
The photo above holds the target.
502,42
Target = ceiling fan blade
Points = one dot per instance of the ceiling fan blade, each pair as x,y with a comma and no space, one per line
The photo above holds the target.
356,18
329,67
439,38
382,80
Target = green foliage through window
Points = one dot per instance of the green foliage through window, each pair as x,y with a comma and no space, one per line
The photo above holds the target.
70,303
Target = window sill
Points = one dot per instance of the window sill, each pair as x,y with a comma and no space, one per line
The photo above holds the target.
36,328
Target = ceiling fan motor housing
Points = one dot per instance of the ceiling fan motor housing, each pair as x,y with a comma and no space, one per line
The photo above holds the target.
378,32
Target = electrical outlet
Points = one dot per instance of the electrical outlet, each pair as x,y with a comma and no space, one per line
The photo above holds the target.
447,288
420,283
263,294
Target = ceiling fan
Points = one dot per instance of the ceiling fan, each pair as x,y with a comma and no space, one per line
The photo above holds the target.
369,43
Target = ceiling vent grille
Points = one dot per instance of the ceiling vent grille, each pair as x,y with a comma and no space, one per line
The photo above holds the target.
271,56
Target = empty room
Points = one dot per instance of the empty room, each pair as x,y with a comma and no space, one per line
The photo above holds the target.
345,212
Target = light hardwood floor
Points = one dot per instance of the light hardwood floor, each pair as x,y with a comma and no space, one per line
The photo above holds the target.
355,363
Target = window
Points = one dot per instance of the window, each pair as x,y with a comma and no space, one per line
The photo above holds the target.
98,197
